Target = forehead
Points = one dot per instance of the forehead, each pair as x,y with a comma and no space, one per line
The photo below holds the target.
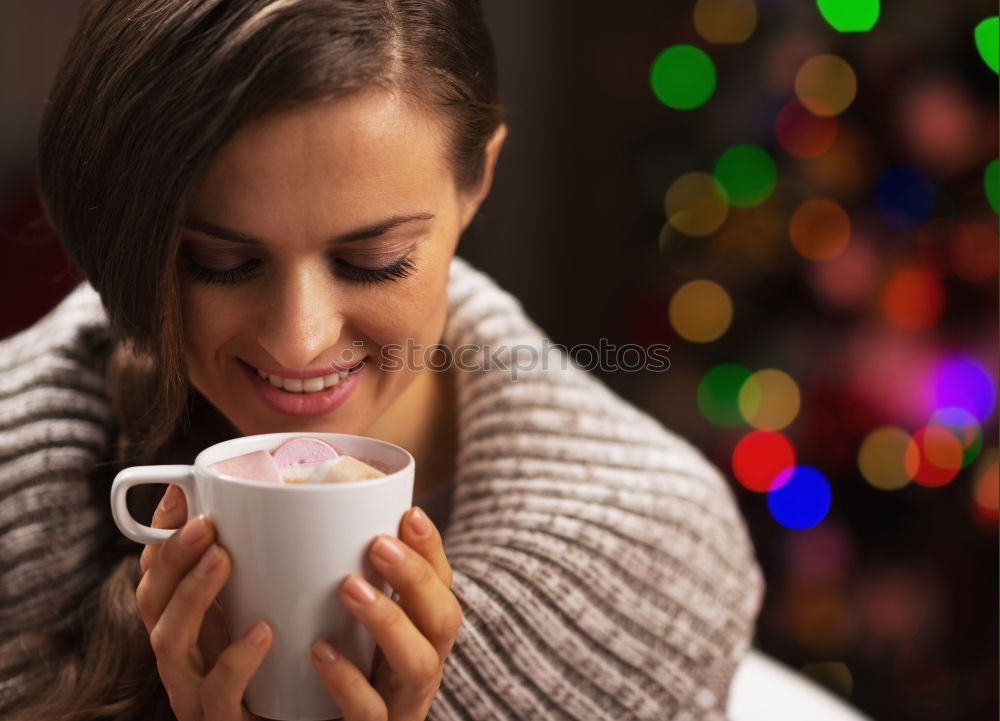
335,158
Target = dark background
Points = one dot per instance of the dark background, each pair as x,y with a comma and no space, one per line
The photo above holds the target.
891,599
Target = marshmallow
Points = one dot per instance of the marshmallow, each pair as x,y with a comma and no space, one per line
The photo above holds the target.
343,469
302,451
256,466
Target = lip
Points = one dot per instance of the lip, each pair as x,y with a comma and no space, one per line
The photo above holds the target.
302,404
303,375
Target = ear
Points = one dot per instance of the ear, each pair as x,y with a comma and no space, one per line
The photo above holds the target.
473,199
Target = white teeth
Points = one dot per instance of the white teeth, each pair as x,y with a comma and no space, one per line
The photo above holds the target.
311,385
307,385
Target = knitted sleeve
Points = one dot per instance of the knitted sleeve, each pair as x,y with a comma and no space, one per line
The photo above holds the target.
55,428
601,561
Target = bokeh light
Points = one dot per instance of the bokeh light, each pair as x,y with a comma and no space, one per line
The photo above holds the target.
991,184
882,458
943,128
826,84
905,197
801,498
725,21
848,281
964,427
701,311
986,489
747,174
769,399
933,456
913,299
959,381
850,15
718,394
842,172
973,251
802,134
819,229
682,77
760,457
696,204
895,602
986,34
822,555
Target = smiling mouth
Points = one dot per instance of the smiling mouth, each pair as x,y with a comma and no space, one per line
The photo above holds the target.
316,384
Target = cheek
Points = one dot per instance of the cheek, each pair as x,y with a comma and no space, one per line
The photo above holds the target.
209,319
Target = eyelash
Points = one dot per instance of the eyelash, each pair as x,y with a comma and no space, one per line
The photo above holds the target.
369,276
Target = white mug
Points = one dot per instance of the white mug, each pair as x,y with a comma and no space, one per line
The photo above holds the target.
291,547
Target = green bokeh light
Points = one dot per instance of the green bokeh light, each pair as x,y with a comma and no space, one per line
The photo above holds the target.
988,42
682,77
991,183
850,16
719,393
747,173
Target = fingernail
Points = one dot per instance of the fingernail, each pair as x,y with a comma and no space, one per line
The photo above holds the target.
258,634
194,530
324,652
388,550
209,560
419,522
169,499
360,590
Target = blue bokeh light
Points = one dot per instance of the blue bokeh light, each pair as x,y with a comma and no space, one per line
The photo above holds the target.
801,498
905,197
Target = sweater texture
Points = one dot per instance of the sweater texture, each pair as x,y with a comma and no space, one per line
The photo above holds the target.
600,560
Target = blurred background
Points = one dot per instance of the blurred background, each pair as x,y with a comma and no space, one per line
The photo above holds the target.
800,199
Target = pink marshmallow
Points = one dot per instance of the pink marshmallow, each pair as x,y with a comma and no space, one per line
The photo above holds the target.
256,466
302,451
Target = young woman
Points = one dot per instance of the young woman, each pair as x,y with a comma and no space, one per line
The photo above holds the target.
266,198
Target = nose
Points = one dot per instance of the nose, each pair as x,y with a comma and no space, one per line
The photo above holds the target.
300,321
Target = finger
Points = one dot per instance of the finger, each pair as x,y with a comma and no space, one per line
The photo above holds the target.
349,687
174,637
407,651
184,615
174,560
430,605
171,512
418,532
223,688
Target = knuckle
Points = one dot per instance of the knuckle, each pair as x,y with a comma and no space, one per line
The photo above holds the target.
146,558
422,573
143,598
427,671
160,642
451,621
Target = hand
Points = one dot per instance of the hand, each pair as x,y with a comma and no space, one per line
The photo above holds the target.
204,674
414,636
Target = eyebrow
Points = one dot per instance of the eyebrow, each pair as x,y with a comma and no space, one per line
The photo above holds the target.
373,231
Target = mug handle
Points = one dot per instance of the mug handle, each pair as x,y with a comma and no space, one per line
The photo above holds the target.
182,476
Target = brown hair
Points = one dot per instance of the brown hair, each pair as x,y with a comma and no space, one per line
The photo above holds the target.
147,94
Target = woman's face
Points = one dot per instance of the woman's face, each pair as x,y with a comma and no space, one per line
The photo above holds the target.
320,238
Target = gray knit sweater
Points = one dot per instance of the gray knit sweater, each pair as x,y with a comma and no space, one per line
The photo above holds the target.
600,560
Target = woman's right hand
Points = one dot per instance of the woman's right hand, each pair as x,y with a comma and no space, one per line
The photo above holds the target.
204,674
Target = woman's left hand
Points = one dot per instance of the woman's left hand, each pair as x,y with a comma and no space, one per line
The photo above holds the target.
414,636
